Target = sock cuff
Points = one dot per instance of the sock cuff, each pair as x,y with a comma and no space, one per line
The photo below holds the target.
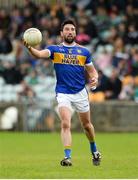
67,147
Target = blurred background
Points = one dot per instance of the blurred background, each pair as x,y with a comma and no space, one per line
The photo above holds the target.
108,28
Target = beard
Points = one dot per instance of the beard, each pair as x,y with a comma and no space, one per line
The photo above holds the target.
69,39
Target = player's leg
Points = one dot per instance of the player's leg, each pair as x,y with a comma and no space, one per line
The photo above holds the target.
65,113
81,104
87,125
65,116
89,131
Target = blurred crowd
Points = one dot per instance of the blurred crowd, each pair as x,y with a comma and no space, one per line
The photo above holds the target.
108,28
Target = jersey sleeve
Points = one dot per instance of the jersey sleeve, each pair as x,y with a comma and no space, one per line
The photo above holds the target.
89,58
51,51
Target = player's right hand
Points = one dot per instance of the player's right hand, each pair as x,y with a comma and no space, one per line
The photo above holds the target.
26,44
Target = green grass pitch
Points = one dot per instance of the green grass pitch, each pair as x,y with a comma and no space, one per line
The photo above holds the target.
37,156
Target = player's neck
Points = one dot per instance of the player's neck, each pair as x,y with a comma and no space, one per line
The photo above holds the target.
69,44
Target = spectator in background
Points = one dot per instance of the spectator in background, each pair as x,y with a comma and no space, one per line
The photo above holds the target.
82,38
134,65
29,18
136,89
115,17
127,92
47,69
119,52
103,83
67,12
130,18
115,86
16,23
121,29
5,19
103,58
26,94
85,21
32,78
54,30
90,27
11,73
5,43
30,8
25,67
43,11
132,35
101,20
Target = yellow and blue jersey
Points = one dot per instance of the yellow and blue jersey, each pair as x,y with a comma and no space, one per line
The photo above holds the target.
69,62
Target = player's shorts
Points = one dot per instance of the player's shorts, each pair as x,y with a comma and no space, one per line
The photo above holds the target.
78,101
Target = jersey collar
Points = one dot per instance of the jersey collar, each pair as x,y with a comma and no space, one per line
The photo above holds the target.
74,44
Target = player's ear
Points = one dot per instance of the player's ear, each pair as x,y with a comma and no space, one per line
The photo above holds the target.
61,33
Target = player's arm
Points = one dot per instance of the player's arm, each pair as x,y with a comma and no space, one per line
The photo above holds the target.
93,75
37,53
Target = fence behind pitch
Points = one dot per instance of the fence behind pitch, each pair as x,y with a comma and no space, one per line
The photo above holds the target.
109,116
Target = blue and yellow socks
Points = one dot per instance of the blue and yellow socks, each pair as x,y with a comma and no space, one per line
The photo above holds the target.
93,147
67,151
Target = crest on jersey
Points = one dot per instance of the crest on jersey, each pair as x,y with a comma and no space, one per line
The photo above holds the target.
78,50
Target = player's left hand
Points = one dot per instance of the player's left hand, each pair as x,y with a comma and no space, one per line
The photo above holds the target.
93,83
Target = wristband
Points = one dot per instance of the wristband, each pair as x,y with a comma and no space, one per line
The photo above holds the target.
93,88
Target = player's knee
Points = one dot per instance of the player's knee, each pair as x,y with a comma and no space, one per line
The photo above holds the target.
87,126
65,125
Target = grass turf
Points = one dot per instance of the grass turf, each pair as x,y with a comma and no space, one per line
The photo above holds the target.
37,155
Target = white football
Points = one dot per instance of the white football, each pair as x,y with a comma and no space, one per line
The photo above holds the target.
32,36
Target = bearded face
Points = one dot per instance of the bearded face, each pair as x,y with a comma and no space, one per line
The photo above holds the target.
68,34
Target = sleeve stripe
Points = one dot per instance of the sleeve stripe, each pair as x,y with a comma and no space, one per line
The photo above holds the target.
49,52
88,64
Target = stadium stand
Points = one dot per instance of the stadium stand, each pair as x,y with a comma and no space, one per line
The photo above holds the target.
108,28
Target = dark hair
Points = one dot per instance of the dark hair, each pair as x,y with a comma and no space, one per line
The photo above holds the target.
68,21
